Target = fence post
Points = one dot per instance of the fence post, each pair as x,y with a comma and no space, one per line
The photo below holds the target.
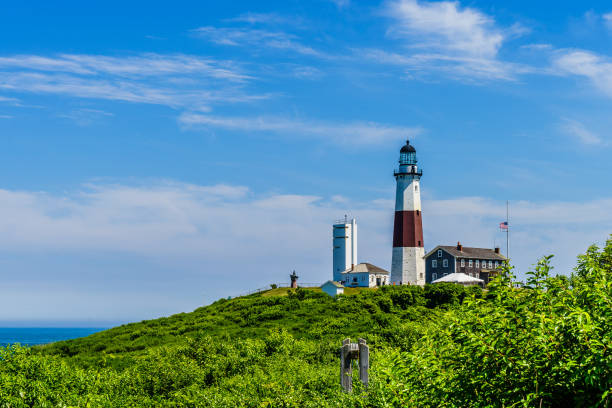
348,352
364,362
346,368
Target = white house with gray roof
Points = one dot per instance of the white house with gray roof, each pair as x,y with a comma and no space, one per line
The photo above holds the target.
365,275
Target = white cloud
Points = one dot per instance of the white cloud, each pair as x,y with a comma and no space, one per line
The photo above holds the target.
460,68
342,3
252,37
170,80
86,116
153,250
352,133
444,25
139,65
5,99
263,18
608,20
461,41
596,68
580,132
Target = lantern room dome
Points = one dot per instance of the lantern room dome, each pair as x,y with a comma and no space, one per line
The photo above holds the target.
407,148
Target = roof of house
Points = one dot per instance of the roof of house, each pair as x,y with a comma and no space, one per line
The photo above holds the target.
469,252
366,267
458,278
336,284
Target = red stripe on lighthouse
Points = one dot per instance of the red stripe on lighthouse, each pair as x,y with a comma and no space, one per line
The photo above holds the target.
408,229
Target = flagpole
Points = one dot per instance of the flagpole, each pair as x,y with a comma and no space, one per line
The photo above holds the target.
507,232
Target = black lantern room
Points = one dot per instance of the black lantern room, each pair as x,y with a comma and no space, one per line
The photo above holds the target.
407,154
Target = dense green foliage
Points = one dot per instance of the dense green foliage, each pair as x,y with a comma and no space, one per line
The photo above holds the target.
544,345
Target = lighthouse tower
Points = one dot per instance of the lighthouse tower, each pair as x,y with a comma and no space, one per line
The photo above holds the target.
408,263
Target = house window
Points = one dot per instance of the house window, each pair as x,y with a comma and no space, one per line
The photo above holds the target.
471,263
463,263
496,264
434,276
445,263
477,263
434,263
490,264
439,253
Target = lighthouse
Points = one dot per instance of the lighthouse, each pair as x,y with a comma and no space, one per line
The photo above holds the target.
408,262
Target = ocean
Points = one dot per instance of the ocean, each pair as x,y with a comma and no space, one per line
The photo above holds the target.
31,336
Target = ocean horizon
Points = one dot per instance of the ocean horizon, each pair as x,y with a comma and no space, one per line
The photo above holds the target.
32,336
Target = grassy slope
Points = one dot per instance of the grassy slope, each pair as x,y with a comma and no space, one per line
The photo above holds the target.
314,317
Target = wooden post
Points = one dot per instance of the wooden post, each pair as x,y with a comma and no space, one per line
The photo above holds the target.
348,352
364,362
346,368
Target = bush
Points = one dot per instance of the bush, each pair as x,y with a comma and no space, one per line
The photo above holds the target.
547,345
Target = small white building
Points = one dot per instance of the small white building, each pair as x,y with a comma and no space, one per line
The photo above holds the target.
365,275
332,288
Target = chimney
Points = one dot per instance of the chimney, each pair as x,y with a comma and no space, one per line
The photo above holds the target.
497,250
459,246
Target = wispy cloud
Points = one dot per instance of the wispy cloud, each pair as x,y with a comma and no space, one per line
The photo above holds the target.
5,99
140,65
579,132
596,68
351,133
608,20
256,37
443,36
341,3
456,67
86,116
171,80
263,18
6,117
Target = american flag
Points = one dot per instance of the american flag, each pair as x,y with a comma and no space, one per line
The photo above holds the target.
503,225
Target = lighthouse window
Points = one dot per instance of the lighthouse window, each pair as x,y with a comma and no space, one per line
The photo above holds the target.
416,188
434,263
439,253
445,263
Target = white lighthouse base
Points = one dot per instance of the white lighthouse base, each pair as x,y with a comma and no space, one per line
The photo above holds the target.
408,266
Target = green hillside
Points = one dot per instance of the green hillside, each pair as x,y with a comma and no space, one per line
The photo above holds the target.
544,345
305,314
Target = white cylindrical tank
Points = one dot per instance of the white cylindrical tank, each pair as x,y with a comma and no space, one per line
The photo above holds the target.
344,247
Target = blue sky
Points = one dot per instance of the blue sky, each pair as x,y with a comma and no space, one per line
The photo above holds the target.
154,158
